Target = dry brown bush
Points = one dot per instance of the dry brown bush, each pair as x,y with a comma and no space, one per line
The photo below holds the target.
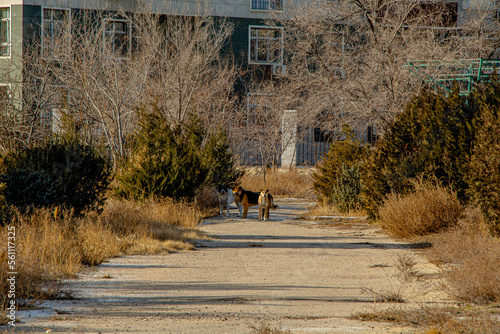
430,208
292,182
470,258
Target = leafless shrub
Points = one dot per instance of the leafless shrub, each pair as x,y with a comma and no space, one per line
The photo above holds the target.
388,296
429,209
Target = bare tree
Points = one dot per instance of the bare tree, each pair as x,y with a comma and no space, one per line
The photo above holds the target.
102,66
190,71
348,57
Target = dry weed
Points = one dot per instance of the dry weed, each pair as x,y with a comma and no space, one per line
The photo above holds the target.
129,217
292,182
469,257
406,266
437,320
46,247
153,227
265,328
149,245
388,296
45,252
431,208
97,242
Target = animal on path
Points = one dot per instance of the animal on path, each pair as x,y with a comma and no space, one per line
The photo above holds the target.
226,197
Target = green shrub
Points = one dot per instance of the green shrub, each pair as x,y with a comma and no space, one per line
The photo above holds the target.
346,192
219,159
433,138
484,177
59,172
171,160
165,160
337,180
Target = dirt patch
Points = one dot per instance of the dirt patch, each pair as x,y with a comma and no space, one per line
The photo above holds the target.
304,276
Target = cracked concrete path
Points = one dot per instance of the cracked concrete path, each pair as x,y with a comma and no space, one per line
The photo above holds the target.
289,273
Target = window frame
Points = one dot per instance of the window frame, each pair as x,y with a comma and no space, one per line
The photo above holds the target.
254,105
8,44
269,7
251,58
44,45
128,35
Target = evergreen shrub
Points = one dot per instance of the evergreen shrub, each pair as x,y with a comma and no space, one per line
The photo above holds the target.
59,172
484,177
174,161
432,138
338,179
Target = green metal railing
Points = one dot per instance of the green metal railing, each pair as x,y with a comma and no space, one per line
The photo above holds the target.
464,72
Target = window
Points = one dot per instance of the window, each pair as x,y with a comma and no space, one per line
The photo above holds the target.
267,5
266,45
5,32
53,24
117,37
258,108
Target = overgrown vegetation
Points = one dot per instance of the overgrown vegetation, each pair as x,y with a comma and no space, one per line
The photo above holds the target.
55,198
434,177
468,255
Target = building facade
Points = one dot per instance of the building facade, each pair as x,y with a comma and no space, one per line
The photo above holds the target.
255,44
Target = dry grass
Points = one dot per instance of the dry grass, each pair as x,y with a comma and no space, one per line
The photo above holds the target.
293,182
153,227
470,260
436,320
431,208
52,244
